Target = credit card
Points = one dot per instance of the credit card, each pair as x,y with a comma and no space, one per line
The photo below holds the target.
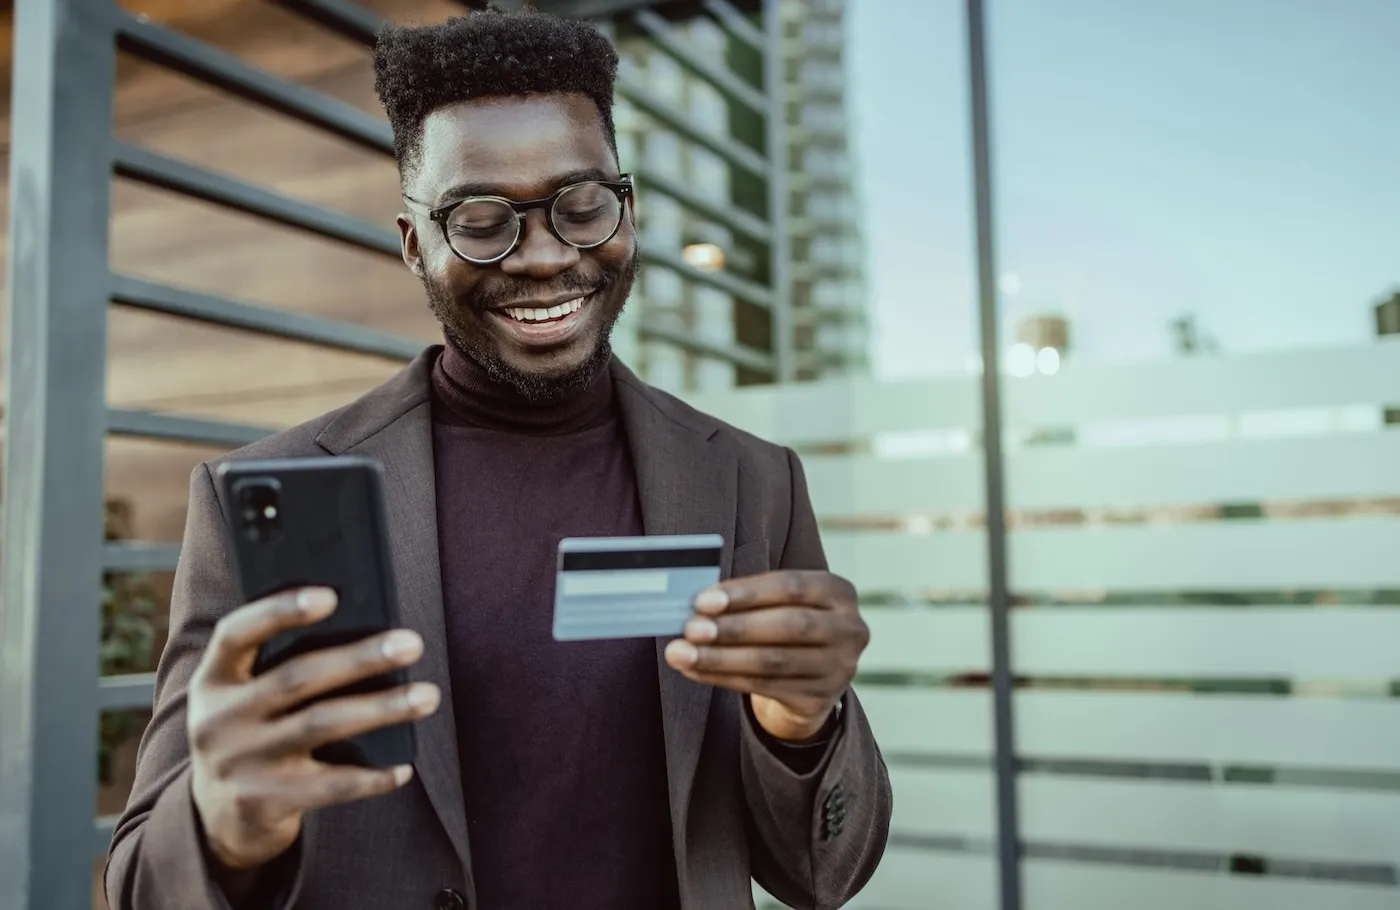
631,587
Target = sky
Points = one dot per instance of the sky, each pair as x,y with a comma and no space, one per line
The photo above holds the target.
1238,160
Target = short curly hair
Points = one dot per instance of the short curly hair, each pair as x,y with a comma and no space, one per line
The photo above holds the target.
490,53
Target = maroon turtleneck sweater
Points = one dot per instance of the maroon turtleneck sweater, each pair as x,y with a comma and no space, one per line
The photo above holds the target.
561,744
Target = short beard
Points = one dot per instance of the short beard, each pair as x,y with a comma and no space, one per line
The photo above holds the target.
533,388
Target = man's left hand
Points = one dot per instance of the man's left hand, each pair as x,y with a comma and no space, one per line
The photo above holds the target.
790,640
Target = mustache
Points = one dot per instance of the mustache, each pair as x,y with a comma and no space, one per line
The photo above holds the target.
508,292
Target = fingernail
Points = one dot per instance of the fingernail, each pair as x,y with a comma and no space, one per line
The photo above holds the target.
712,601
423,697
402,774
314,601
401,644
682,653
701,630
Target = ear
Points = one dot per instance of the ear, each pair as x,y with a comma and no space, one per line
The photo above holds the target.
408,240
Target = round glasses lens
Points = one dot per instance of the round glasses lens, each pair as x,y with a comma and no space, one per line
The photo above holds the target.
482,228
587,214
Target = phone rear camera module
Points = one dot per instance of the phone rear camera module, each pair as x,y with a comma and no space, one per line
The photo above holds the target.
260,509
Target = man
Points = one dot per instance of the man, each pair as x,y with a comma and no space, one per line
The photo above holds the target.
618,774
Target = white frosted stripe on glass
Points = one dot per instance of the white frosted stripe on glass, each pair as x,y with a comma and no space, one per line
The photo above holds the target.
934,640
1356,734
1145,726
1219,642
1320,377
856,408
884,561
944,802
1332,467
846,409
1311,553
1336,643
1279,822
911,879
870,485
1061,885
1301,553
929,721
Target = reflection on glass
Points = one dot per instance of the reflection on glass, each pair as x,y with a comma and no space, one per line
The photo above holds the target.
1197,214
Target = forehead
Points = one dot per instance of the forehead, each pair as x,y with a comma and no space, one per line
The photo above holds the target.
516,146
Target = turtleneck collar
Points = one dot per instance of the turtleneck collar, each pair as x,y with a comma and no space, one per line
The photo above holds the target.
467,395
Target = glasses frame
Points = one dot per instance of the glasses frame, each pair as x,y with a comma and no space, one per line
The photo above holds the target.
622,187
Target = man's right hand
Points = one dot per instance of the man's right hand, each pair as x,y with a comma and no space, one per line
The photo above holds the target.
252,772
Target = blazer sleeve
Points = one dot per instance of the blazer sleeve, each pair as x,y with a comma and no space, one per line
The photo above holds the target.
817,837
158,859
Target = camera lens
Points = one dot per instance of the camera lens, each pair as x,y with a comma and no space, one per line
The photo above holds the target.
260,509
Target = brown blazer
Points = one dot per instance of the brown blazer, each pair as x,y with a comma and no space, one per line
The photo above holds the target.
812,841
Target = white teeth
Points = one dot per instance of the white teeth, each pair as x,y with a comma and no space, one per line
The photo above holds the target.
530,314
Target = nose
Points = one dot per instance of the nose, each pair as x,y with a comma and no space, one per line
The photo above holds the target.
540,255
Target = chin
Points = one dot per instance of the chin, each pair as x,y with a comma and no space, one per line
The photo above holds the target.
547,376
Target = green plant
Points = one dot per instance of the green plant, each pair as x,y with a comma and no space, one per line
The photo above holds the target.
128,640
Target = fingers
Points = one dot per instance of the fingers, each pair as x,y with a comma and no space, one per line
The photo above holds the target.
315,786
302,678
339,719
803,695
234,645
790,587
751,662
773,626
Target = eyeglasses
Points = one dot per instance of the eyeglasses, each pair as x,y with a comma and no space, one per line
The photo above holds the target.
486,229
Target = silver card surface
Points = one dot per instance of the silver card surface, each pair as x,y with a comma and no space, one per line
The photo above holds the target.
631,587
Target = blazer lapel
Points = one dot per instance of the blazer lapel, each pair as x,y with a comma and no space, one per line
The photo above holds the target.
394,426
687,485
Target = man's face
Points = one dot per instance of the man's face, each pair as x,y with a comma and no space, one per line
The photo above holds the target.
521,149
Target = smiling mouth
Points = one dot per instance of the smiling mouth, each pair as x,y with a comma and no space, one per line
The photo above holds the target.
541,316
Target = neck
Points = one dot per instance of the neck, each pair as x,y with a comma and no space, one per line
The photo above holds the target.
468,395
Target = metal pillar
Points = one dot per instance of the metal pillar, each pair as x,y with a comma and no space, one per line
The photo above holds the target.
52,525
999,599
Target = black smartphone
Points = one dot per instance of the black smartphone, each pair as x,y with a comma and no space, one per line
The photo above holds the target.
320,521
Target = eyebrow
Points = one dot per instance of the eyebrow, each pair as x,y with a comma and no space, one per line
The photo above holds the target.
467,190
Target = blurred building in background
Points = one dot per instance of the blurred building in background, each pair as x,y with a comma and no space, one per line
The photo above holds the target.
829,290
823,280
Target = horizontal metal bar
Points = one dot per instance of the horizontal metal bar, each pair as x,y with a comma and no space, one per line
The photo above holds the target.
349,20
812,269
736,287
102,834
142,38
145,166
730,150
803,182
738,355
136,556
192,430
160,298
739,221
735,24
729,83
130,690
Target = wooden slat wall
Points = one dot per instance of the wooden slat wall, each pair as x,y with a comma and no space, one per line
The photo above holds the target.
170,365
